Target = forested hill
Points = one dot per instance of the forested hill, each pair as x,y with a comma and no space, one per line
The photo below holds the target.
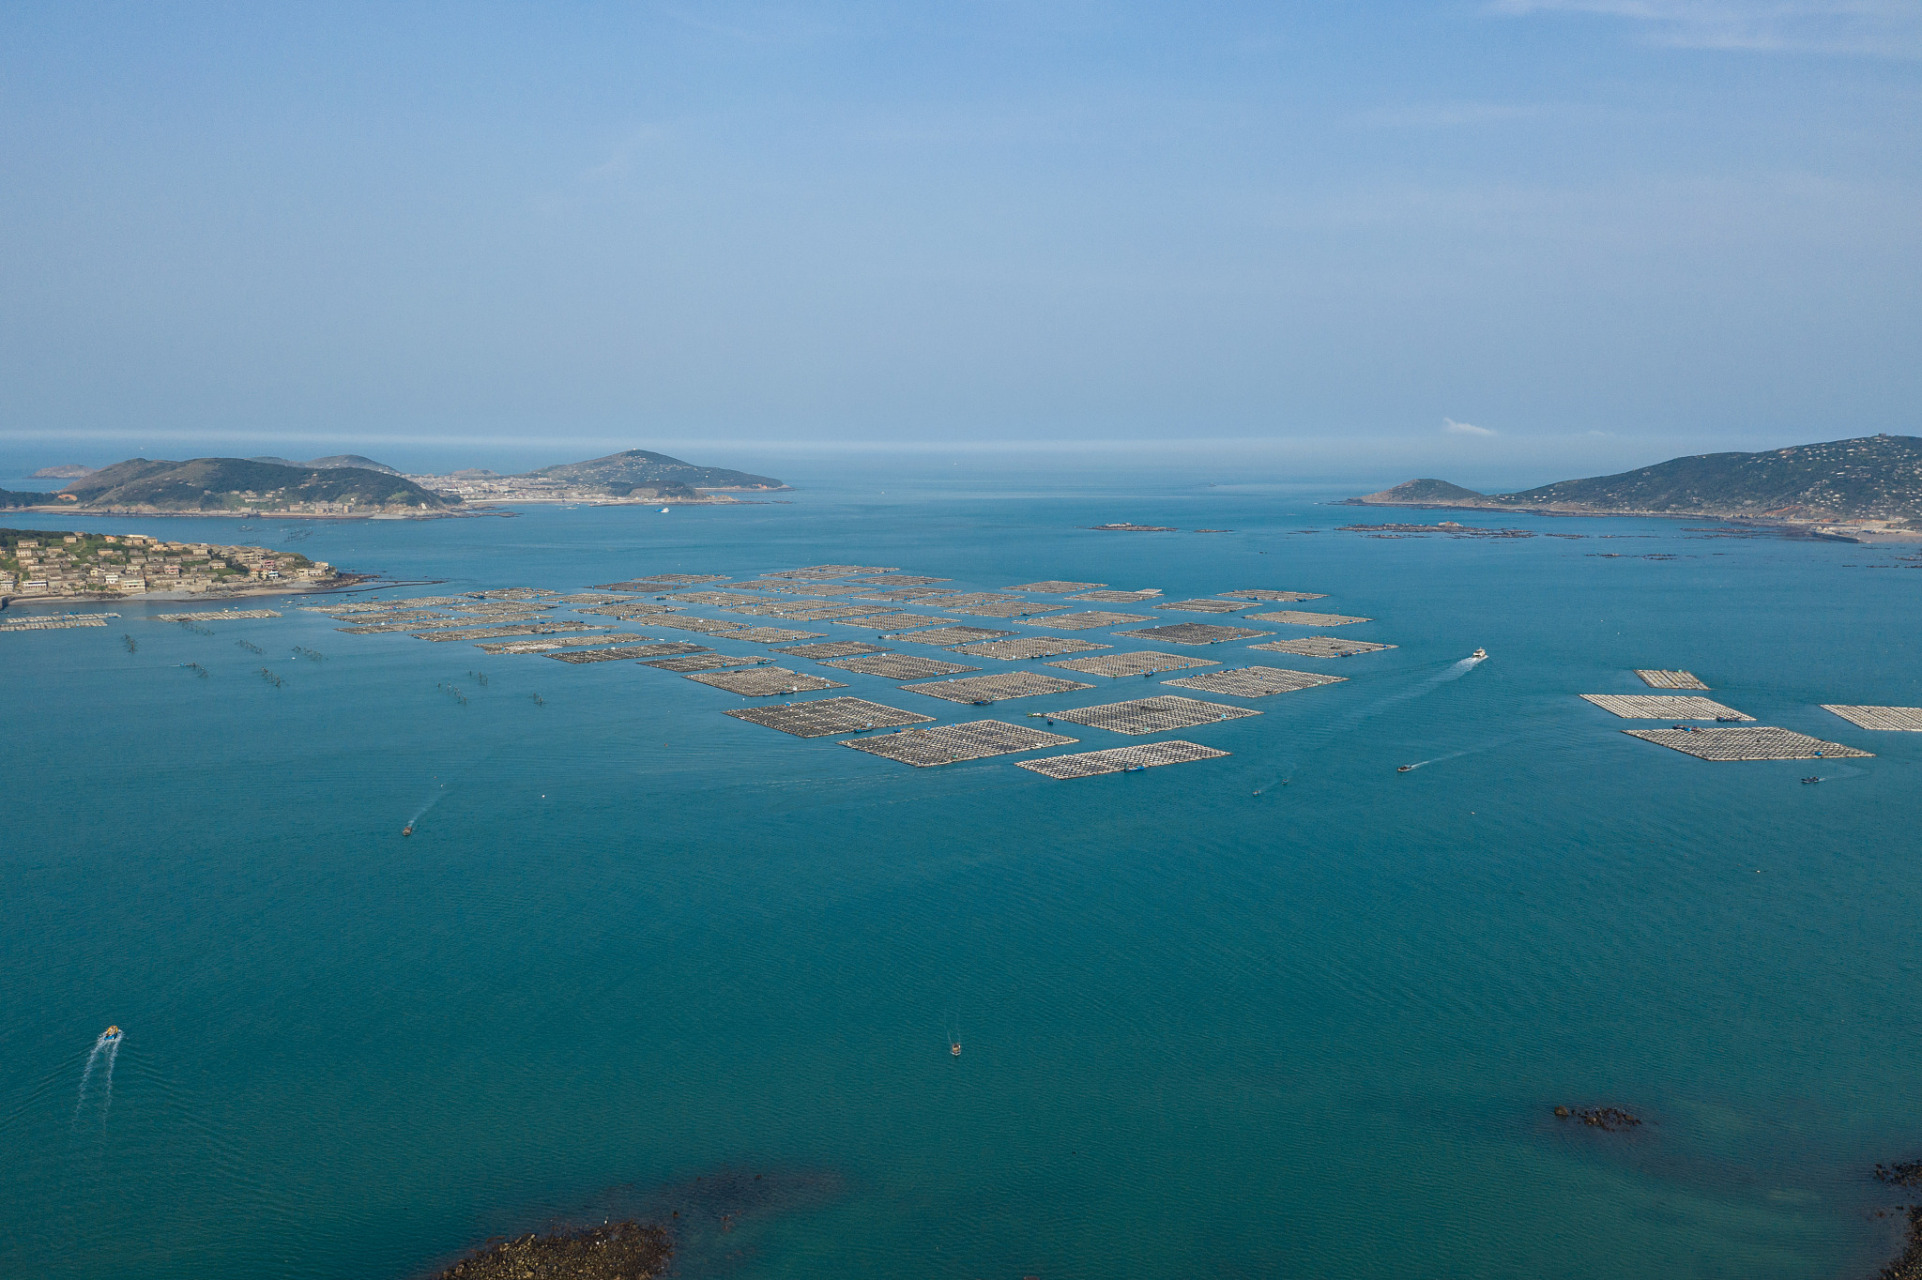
218,484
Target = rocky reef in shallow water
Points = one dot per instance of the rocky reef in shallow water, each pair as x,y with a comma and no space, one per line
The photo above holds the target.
622,1251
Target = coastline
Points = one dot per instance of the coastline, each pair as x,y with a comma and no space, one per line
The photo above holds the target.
1831,530
335,583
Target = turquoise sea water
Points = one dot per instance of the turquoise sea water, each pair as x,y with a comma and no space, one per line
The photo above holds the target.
1288,1013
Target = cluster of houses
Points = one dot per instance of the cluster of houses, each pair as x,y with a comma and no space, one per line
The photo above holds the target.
57,564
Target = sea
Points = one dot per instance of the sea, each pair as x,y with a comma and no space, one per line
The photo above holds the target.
1291,1012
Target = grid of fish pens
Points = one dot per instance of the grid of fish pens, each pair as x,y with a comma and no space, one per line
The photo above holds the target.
703,662
617,653
1893,719
826,717
1656,706
979,690
1322,647
831,649
1056,587
763,682
1144,662
899,666
1023,648
1204,606
953,743
1152,715
893,621
1266,596
1306,618
1192,633
1089,619
1254,682
1147,755
1746,742
1657,678
941,637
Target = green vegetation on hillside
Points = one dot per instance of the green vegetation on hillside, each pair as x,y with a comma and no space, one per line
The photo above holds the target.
17,498
622,473
230,484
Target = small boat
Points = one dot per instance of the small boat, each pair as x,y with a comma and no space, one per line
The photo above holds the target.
1403,768
955,1048
1728,719
110,1035
1807,781
1479,654
407,830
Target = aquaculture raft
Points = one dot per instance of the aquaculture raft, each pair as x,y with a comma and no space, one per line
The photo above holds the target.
1322,647
1900,719
1655,678
945,636
501,633
1148,755
1091,618
1015,684
831,649
896,621
951,743
618,653
1254,682
1021,648
999,608
1116,597
828,716
703,626
542,644
1746,742
217,615
1204,606
1152,715
772,635
899,666
902,593
1304,618
1193,633
64,622
899,580
661,581
831,570
1266,596
1056,587
1142,662
703,662
763,682
1657,706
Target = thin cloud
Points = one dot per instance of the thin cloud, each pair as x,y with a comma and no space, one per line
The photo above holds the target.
1455,428
1877,28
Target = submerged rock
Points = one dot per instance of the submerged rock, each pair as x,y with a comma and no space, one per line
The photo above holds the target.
623,1251
1608,1119
1907,1173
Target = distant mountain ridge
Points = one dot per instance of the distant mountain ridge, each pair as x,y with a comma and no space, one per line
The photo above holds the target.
1866,478
332,462
228,484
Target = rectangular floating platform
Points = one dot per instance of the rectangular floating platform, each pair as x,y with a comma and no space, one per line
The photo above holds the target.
1655,678
997,688
1266,596
899,666
1254,682
956,599
217,615
832,649
1747,742
1146,755
1192,633
899,580
894,621
1022,648
1896,719
1056,587
831,571
702,626
1655,706
946,636
1142,662
1152,715
543,644
590,597
1089,619
632,609
773,635
512,593
1003,609
1116,597
800,612
721,599
501,633
661,581
820,590
900,594
65,622
1204,606
1322,647
703,662
616,653
1303,618
825,717
375,606
763,682
952,743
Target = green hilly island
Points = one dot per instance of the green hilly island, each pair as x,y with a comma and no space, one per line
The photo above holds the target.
242,484
1870,478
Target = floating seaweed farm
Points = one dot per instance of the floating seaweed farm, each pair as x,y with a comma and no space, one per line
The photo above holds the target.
1204,606
1152,715
831,649
952,743
1658,679
1148,755
941,637
1894,719
1254,682
1322,647
773,635
894,621
661,581
763,682
898,580
1747,742
1024,648
1056,587
898,666
615,653
1143,662
1089,619
703,662
217,615
1267,596
833,571
825,717
996,688
57,622
1115,597
1304,618
1192,633
901,594
1653,706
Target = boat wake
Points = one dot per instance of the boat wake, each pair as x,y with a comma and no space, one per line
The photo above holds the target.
105,1050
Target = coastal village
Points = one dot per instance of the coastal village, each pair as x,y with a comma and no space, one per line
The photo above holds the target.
36,564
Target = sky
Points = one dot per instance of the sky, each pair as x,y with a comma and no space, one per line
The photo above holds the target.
1560,235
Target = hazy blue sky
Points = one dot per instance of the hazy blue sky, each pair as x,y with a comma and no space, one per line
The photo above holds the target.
1594,228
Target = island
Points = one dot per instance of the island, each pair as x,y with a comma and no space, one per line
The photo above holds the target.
36,564
635,476
1864,489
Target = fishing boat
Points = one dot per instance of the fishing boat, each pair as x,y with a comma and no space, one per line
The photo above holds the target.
110,1035
407,830
1403,768
955,1048
1479,654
